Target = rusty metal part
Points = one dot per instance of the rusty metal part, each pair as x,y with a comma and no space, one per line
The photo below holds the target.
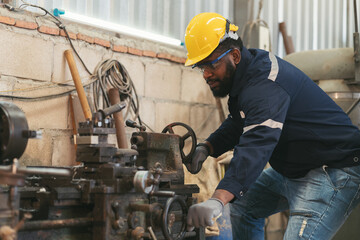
78,85
163,193
51,171
53,224
288,43
102,189
114,96
21,223
13,125
189,134
117,107
12,179
133,124
137,233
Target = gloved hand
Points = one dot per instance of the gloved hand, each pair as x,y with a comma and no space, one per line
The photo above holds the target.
197,159
202,214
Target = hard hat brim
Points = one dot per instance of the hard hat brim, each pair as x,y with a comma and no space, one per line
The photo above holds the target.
192,61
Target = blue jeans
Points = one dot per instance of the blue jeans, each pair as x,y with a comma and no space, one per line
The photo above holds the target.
319,203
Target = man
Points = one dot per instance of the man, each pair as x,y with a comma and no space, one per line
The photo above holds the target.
277,115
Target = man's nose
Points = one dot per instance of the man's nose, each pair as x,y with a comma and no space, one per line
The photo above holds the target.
207,74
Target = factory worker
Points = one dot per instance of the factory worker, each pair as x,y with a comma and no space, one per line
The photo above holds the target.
277,115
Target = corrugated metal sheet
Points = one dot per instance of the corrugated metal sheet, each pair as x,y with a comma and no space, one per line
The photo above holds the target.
313,24
166,17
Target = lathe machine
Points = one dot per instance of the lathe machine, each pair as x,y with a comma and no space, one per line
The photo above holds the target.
113,193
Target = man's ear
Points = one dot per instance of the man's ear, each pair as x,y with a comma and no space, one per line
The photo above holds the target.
236,55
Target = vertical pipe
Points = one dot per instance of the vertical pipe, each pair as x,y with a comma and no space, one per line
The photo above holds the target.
72,116
316,25
166,18
183,22
331,24
149,15
356,46
119,119
355,17
337,35
306,22
322,24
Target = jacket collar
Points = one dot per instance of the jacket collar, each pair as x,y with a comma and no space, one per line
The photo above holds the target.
241,68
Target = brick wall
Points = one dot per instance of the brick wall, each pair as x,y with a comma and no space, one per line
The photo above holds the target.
32,63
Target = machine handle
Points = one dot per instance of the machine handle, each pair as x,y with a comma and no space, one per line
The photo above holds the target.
78,85
133,124
113,109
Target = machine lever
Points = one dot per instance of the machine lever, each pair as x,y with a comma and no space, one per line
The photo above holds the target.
113,109
133,124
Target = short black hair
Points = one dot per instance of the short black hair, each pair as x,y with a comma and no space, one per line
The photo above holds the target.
229,43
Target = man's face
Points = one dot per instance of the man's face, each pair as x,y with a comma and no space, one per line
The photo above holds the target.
219,75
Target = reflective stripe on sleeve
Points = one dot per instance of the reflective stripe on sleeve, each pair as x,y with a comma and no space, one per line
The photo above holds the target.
274,67
268,123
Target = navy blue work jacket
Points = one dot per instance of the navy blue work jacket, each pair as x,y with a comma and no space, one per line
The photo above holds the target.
279,115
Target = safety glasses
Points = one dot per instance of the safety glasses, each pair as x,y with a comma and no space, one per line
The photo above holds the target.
210,66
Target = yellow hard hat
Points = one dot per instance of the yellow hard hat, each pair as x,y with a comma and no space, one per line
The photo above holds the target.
204,33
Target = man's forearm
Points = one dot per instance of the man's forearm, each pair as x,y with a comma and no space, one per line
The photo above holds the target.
223,195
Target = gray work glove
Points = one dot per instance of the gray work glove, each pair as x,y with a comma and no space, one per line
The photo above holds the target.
204,214
197,159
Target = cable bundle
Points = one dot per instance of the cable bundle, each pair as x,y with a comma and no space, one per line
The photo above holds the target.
112,74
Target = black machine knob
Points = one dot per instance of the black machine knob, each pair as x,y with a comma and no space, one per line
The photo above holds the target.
133,124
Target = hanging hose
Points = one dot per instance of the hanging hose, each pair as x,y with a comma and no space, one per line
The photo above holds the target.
112,74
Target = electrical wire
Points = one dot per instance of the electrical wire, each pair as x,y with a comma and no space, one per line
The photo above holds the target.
39,98
59,23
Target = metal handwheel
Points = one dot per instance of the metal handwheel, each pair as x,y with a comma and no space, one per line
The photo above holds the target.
175,209
189,134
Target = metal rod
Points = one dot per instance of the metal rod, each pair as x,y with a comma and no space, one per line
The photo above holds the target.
351,108
48,171
152,234
51,224
163,194
355,16
119,119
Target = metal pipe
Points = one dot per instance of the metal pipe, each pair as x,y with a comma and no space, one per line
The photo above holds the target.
62,223
355,17
114,96
163,193
288,44
52,171
352,107
325,64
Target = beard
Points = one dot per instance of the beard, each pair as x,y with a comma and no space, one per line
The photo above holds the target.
226,83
